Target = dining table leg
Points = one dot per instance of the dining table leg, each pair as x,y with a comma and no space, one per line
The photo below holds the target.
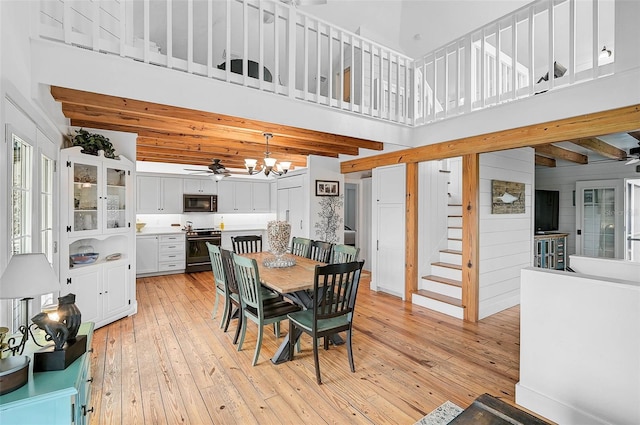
303,299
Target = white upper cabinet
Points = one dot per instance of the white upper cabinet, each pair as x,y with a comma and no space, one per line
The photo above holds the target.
159,195
243,196
199,186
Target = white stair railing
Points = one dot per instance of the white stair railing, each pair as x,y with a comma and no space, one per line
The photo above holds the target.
266,45
274,47
544,45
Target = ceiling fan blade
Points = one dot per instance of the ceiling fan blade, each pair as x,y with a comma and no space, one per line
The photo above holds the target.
632,161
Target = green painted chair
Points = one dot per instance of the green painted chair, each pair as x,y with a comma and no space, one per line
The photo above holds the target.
219,280
300,246
254,306
344,254
336,286
320,251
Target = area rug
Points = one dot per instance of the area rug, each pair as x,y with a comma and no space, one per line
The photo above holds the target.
441,415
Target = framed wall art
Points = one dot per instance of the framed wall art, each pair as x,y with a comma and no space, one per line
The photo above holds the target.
327,188
507,197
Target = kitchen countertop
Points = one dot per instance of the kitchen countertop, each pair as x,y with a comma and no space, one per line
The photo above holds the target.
146,231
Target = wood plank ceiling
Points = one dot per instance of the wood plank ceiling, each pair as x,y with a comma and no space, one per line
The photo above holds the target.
183,136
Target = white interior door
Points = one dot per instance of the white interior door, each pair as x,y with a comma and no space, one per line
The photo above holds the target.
599,218
632,220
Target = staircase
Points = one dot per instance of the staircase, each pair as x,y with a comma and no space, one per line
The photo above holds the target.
442,289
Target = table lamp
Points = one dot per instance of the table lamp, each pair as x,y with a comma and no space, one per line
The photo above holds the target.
27,276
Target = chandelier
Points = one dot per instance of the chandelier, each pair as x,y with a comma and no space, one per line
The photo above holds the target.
269,165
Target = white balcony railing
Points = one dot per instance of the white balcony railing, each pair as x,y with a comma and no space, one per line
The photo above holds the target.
274,47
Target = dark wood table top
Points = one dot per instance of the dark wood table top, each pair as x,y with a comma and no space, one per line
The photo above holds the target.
488,410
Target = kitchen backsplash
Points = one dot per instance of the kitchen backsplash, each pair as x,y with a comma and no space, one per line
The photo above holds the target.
204,220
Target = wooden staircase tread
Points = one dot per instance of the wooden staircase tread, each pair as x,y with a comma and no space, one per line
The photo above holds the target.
455,239
454,205
439,297
455,227
444,280
454,216
447,265
451,251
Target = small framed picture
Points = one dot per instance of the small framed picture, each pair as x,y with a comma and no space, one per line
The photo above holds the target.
327,188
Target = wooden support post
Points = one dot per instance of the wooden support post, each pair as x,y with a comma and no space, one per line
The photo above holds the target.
470,235
411,245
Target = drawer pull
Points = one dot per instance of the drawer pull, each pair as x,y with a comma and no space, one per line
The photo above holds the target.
90,379
85,410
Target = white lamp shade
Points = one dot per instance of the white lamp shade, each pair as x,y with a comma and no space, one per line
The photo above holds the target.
250,163
28,276
286,165
270,162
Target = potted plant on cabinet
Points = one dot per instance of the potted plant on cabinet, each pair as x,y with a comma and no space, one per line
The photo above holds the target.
92,143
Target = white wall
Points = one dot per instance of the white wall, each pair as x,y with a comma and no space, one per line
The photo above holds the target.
432,214
505,240
564,177
324,168
579,348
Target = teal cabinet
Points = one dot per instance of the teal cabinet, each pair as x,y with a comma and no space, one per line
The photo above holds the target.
58,397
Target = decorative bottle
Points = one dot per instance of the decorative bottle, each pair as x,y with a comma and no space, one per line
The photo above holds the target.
221,223
69,314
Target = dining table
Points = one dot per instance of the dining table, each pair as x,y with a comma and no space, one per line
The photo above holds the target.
295,283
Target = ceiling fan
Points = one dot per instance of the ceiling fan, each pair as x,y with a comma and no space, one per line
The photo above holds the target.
215,168
634,155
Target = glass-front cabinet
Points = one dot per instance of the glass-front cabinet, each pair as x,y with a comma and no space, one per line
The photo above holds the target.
100,194
97,245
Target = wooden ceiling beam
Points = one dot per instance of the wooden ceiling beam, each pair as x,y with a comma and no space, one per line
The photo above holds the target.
600,147
544,161
590,125
562,153
230,123
229,146
147,126
213,151
181,157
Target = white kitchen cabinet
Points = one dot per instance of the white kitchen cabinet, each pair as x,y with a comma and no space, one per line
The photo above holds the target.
199,186
292,206
160,254
146,254
96,213
171,253
159,195
235,196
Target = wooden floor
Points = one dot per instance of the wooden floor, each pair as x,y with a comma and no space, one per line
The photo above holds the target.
171,363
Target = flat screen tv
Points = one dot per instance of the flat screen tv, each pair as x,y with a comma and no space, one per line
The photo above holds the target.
546,210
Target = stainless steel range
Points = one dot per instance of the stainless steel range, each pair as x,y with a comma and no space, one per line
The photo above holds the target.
197,253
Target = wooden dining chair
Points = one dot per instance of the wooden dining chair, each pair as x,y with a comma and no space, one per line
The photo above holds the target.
254,306
219,281
320,251
300,246
335,287
247,244
233,293
344,254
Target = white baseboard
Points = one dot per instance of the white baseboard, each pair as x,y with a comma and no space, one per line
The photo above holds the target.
553,409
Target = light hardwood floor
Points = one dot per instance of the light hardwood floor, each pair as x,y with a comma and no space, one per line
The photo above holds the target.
171,363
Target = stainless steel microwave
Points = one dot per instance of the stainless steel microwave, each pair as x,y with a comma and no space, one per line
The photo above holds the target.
200,203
